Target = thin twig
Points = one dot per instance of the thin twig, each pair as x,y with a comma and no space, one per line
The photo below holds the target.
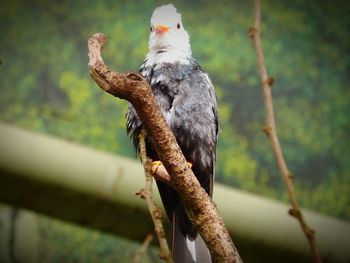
142,250
155,212
270,131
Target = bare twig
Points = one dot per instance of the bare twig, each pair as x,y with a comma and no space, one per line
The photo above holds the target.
270,131
155,212
199,206
142,251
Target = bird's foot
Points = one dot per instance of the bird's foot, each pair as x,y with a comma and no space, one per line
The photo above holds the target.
157,165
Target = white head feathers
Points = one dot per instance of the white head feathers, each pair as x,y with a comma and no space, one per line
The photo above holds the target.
168,41
165,14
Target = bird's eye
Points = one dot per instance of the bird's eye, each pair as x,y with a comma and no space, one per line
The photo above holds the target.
178,26
151,28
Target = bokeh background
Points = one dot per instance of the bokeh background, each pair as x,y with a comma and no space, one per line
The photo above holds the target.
46,87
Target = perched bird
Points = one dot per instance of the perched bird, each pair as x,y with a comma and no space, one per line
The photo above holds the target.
187,100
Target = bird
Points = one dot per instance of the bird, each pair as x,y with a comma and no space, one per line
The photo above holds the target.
187,99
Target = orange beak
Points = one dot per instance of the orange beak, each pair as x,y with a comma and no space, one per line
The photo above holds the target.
160,29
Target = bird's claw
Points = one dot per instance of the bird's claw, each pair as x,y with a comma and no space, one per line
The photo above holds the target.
155,165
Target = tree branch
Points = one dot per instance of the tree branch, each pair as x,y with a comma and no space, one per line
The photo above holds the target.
156,214
142,251
270,131
199,206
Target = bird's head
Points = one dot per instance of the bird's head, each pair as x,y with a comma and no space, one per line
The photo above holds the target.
167,31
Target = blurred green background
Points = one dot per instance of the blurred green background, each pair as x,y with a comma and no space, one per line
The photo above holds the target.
46,87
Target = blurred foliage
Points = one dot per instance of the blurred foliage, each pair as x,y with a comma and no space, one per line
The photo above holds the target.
45,83
63,242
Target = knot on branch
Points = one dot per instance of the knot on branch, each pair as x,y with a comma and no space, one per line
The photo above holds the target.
267,131
157,213
295,213
141,194
134,76
270,81
291,176
252,31
310,233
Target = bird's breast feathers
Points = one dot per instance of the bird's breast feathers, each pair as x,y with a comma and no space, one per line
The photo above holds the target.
172,56
187,100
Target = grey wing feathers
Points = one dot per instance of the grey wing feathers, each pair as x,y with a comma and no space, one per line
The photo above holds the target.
187,100
194,121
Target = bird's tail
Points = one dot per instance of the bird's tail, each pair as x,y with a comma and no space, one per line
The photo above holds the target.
185,248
